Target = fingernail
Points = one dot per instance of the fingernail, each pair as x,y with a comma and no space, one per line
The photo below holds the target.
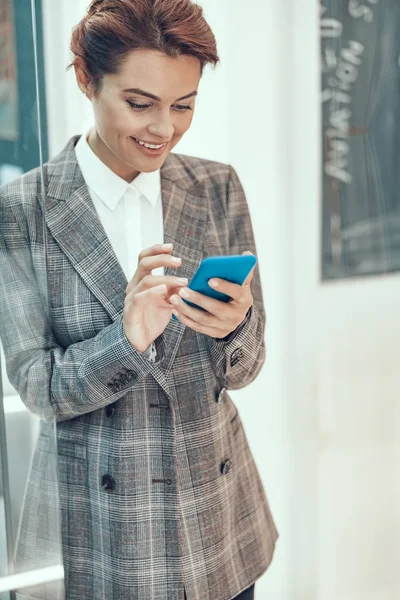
183,280
213,283
175,312
176,261
167,246
175,300
184,294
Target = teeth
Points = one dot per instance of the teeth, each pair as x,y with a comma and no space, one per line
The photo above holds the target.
151,146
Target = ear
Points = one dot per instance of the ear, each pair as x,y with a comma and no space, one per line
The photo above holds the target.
82,79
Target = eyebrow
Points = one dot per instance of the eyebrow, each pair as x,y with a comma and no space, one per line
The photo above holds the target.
148,95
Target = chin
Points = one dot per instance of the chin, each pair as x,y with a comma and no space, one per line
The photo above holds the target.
152,162
151,169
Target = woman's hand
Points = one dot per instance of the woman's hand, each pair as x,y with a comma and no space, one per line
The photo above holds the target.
221,318
147,309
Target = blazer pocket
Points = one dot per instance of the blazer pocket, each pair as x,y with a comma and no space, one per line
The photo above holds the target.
72,469
71,449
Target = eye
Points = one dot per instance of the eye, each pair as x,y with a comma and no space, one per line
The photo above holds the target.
179,107
137,106
182,107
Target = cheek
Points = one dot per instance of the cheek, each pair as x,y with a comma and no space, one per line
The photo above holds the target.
114,118
183,125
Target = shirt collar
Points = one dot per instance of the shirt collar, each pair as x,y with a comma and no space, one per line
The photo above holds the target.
108,186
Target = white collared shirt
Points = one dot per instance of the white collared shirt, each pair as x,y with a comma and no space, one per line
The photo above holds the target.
131,213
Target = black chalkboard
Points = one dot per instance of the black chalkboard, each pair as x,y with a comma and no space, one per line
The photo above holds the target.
360,45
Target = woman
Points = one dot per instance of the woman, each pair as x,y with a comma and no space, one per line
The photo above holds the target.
159,493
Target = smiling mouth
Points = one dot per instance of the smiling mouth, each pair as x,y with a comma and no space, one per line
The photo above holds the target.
150,146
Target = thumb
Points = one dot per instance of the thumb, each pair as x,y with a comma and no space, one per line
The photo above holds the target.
250,275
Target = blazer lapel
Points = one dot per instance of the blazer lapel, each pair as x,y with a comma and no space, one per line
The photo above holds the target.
185,215
73,222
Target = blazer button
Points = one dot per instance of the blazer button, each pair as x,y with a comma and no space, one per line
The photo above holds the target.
108,483
236,356
131,375
220,396
226,466
110,410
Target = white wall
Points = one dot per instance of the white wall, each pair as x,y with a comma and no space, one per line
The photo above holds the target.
68,110
344,382
323,416
258,60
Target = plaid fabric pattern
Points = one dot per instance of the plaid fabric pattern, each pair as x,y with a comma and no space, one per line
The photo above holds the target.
158,488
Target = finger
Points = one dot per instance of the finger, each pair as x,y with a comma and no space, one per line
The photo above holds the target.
151,295
216,317
233,290
148,263
172,283
249,277
155,250
197,326
160,291
211,305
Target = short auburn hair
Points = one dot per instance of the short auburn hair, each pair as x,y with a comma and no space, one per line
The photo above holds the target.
111,29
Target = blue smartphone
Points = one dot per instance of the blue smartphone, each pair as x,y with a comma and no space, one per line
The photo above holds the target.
233,268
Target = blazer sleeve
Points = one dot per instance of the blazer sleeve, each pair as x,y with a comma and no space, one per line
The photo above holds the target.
54,382
239,357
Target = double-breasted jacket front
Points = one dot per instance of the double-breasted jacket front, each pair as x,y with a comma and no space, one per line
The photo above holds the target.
158,488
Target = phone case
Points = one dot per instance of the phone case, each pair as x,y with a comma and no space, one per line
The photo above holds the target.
233,268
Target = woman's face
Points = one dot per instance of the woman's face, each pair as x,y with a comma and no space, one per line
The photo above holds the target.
151,100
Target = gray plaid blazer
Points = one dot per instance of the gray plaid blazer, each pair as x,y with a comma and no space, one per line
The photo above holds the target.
158,488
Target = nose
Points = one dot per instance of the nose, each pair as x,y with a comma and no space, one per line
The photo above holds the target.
162,127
